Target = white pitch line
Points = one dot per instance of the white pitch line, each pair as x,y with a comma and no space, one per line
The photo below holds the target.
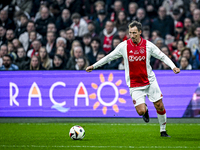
117,147
113,124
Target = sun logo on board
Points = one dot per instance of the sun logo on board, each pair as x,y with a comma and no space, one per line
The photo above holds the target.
113,102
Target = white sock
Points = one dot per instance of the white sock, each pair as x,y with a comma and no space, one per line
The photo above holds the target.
162,119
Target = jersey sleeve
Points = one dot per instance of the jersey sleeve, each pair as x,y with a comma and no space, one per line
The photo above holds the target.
157,53
116,53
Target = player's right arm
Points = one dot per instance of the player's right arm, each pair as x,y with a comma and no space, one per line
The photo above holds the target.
116,53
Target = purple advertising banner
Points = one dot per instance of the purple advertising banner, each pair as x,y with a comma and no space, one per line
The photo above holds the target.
96,94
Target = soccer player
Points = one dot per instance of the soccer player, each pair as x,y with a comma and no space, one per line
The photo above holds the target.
139,76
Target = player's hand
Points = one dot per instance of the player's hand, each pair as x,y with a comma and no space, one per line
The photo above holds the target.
89,68
176,70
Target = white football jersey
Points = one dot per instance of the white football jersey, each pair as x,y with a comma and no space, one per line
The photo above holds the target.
138,71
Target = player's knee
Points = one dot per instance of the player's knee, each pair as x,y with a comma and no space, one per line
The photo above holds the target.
141,112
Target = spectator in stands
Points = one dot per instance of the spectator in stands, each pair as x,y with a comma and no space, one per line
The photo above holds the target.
11,51
41,23
121,65
101,55
3,51
74,6
184,64
107,35
22,61
95,49
86,43
75,43
98,5
122,33
21,28
177,52
23,6
163,23
64,21
100,21
2,35
121,20
193,42
35,51
51,43
35,64
179,31
118,6
45,61
58,62
6,22
77,53
62,33
132,9
55,10
142,17
146,33
79,25
10,35
170,5
187,26
196,16
24,38
92,29
158,64
82,63
51,27
154,35
7,63
70,38
16,44
61,51
186,52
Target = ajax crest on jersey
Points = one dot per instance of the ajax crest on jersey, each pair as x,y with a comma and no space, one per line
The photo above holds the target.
77,133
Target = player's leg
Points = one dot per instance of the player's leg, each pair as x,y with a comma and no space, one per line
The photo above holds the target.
162,118
155,96
138,96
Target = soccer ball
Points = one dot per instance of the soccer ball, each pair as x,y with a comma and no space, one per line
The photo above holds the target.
77,133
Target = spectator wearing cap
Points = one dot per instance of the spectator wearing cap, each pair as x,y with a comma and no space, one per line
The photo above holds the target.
79,25
64,21
100,21
177,16
107,35
163,23
41,23
7,63
170,5
179,31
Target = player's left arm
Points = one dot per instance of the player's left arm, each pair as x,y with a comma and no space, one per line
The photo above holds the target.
157,53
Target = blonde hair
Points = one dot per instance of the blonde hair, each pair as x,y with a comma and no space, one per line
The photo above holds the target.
38,67
46,63
72,49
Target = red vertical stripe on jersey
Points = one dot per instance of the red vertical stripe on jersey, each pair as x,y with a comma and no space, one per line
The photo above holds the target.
137,63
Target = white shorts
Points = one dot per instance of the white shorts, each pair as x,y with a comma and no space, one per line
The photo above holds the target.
139,94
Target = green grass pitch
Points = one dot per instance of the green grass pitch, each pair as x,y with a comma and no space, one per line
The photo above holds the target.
52,136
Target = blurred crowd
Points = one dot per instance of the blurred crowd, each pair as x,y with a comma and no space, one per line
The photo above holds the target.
73,34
